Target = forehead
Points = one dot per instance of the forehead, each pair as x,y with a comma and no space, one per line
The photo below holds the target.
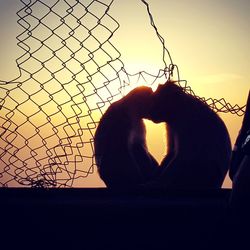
168,88
162,88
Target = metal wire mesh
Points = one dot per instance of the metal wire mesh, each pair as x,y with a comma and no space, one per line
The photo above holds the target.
69,74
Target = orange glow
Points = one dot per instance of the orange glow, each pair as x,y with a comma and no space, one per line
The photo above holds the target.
209,41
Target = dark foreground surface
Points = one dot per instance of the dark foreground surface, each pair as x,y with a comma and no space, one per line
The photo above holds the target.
132,219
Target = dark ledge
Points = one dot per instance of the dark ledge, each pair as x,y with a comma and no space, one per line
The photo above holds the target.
126,219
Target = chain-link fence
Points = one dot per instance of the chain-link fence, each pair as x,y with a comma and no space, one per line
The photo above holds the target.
69,73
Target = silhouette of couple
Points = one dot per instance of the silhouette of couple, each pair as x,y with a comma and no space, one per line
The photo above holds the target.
198,143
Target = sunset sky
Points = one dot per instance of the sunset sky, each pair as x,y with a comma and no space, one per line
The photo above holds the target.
208,40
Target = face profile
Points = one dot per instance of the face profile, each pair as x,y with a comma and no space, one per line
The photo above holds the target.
167,103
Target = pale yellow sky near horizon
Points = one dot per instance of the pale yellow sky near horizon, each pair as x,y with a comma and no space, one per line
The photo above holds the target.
208,40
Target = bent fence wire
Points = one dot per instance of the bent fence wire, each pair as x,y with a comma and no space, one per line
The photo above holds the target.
69,73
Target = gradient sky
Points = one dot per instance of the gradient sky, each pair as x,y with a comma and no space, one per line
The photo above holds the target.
208,40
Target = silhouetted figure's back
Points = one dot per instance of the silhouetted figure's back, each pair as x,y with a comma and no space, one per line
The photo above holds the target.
199,146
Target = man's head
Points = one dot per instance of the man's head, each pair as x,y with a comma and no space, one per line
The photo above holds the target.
166,101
